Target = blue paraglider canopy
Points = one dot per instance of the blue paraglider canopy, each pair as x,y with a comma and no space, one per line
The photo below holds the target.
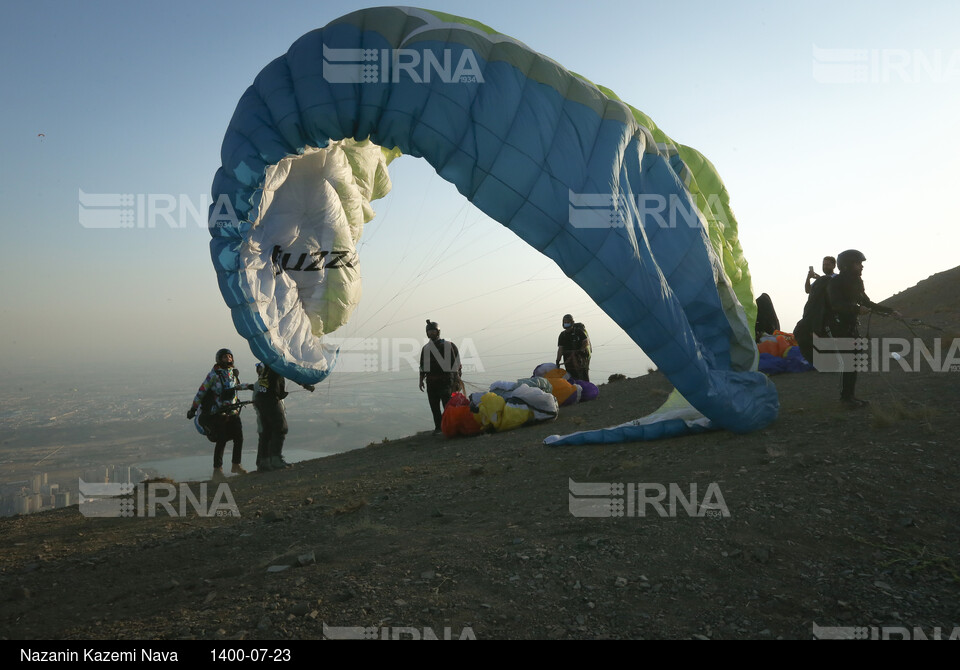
562,163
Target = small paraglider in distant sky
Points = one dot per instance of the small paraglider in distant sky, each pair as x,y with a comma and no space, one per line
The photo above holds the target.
41,136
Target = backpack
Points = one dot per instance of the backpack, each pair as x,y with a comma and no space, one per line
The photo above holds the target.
817,318
203,419
581,329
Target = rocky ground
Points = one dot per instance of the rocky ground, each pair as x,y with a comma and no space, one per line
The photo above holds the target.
828,518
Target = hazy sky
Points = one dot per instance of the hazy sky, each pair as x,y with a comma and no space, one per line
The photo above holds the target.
834,125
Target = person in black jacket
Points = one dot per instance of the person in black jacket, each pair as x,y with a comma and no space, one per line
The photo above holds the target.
268,395
847,301
441,369
817,318
573,346
829,265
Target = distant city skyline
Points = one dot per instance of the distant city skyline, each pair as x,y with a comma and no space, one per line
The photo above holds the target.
67,427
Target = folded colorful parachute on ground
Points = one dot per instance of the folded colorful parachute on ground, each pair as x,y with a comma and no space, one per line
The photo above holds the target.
779,353
507,405
566,389
458,419
776,344
560,161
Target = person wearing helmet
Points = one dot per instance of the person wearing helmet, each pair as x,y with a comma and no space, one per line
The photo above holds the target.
268,395
847,301
573,346
218,398
441,369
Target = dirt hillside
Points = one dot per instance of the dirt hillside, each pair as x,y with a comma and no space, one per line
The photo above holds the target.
829,517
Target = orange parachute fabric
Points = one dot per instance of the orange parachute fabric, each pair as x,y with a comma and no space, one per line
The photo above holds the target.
458,419
560,387
778,344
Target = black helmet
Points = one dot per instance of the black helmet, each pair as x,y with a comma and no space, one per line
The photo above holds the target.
432,325
848,257
222,353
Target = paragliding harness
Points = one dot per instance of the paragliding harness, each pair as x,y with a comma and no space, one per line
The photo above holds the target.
205,420
581,334
582,331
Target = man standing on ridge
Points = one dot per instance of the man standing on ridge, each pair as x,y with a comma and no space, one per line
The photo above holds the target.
440,367
218,398
573,346
817,320
268,395
847,300
829,265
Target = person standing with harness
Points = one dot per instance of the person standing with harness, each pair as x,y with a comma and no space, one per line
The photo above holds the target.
847,300
440,368
573,346
218,396
817,320
268,395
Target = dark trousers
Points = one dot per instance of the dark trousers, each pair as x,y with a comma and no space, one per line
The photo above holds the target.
848,377
273,428
578,366
438,395
848,385
228,428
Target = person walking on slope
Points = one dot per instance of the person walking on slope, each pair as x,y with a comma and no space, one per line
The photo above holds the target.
440,367
847,300
218,398
268,395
